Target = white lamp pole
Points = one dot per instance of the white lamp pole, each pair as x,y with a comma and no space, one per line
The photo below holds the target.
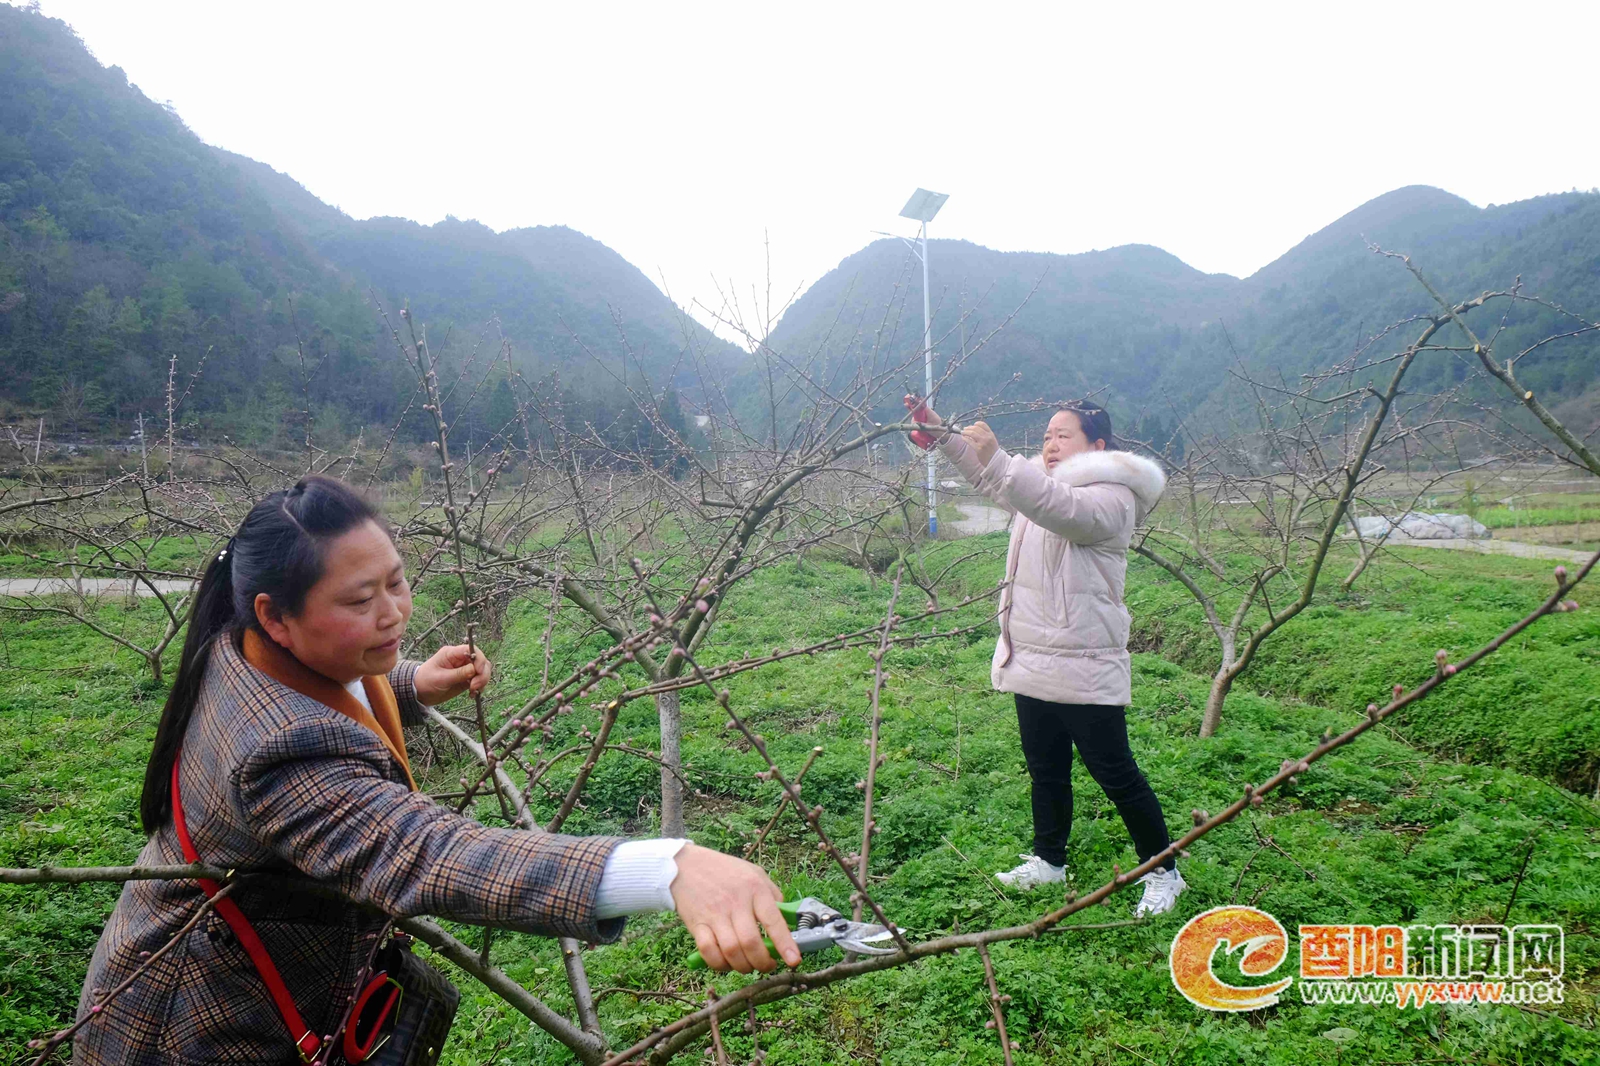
927,379
922,206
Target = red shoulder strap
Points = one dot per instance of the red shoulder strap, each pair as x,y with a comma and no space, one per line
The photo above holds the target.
307,1044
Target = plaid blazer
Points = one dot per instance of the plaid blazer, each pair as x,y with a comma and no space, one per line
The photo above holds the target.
272,779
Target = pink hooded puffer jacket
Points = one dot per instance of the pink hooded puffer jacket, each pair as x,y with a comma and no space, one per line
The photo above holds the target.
1063,626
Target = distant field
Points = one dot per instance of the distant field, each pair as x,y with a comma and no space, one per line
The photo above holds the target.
1544,515
1584,535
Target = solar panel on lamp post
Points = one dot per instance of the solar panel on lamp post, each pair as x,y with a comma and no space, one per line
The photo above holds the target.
921,208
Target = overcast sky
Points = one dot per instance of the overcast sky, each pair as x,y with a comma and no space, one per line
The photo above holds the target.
683,134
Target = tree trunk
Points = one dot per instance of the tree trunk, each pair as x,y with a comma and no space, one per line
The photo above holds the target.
667,710
1365,552
1360,568
1221,685
154,659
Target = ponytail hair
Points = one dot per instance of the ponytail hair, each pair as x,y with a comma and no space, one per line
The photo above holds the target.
278,550
1095,421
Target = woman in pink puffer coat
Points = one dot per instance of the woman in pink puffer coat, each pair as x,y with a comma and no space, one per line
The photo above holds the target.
1063,647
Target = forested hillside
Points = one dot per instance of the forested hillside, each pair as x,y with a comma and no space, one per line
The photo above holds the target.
125,240
1317,300
1128,322
1155,337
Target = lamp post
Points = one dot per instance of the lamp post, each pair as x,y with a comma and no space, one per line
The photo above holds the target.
921,208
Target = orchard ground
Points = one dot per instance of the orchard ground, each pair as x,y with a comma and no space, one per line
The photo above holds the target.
1427,821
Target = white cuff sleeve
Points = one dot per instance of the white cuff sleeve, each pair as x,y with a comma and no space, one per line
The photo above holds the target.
638,878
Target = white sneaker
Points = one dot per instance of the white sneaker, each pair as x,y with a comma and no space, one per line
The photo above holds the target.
1161,891
1033,871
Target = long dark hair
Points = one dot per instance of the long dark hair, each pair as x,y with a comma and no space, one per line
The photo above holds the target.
1095,421
278,550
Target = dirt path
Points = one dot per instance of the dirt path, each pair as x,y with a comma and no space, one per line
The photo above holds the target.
1498,547
978,518
90,586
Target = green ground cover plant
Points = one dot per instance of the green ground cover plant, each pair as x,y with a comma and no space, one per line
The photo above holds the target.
1379,832
1535,708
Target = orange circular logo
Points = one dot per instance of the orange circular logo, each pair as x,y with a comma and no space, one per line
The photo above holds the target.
1257,937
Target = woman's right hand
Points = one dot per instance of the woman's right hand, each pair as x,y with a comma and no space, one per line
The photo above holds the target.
721,900
926,415
922,414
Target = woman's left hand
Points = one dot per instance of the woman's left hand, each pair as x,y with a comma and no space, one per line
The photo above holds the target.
982,439
452,670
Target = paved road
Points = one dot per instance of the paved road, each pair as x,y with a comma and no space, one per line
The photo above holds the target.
1497,547
91,586
978,518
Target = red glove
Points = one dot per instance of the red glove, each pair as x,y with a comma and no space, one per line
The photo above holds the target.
919,413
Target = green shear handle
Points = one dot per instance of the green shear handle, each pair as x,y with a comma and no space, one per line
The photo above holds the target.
818,926
791,914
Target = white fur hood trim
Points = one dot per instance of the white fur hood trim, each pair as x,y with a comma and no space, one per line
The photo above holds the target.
1142,476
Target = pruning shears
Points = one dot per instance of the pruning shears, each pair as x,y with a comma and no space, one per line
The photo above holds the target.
818,926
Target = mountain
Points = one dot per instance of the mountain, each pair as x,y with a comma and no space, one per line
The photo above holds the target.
1322,297
1152,337
1124,323
554,289
124,239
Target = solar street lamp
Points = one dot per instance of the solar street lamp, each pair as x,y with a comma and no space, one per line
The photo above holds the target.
921,208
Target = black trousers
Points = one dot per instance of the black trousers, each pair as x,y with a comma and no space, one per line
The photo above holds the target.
1049,730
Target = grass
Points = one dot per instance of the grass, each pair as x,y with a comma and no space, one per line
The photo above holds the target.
179,553
1536,709
1547,511
1380,832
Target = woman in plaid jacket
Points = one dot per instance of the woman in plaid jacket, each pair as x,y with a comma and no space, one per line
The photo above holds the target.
284,726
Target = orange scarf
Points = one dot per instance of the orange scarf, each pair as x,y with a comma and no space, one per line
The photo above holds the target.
384,718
